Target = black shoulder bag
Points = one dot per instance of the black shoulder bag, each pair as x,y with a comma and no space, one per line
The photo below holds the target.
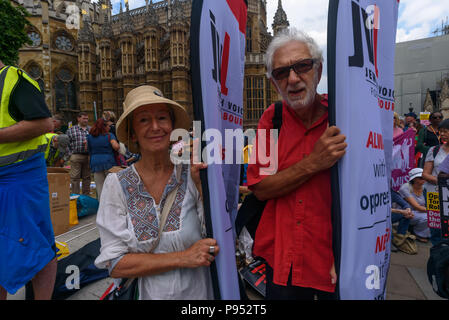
251,209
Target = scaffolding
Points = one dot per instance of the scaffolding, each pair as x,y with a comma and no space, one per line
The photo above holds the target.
444,30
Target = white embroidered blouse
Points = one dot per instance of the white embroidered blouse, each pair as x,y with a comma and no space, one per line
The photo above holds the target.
128,222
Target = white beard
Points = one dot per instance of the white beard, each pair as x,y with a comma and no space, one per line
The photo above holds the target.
299,103
302,103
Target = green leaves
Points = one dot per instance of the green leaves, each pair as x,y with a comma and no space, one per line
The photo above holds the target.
12,31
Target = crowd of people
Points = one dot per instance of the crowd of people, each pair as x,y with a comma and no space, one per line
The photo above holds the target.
89,151
431,149
151,217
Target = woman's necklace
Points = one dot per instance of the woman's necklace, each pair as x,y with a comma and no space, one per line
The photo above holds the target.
435,133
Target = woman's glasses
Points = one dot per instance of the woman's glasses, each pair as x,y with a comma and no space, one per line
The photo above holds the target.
299,67
436,117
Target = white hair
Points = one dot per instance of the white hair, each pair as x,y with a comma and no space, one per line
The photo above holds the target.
289,35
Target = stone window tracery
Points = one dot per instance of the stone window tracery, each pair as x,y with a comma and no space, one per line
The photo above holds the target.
254,97
65,89
35,72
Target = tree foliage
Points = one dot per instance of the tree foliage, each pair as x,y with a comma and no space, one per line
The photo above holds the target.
12,31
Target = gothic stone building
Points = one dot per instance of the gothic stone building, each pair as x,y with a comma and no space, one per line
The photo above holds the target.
87,59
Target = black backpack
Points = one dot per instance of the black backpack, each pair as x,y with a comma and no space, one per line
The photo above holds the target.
438,269
436,150
251,209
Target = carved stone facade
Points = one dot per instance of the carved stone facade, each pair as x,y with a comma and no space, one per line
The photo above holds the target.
280,21
52,58
444,98
438,100
93,65
428,103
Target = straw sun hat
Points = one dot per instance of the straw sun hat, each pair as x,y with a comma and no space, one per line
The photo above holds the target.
147,95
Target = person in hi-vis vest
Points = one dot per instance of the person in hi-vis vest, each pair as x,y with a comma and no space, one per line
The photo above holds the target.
57,149
27,244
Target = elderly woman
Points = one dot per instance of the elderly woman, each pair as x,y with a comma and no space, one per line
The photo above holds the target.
174,265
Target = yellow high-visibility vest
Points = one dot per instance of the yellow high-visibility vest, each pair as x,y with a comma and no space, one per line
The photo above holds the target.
13,152
49,137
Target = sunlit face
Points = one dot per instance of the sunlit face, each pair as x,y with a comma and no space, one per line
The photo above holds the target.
152,126
298,90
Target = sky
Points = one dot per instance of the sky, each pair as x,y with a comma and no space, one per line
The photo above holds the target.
417,19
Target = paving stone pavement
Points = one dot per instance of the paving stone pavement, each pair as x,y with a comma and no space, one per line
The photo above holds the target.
407,277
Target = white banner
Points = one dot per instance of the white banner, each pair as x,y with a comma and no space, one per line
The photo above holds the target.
218,62
361,93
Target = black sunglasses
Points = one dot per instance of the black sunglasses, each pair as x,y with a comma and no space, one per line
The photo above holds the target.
299,67
437,117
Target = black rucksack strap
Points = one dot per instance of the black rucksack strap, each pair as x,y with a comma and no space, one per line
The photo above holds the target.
277,118
252,208
436,150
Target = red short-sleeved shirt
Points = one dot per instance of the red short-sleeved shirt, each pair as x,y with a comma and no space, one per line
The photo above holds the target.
295,230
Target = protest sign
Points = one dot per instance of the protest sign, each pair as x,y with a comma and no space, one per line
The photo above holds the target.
217,63
361,45
433,210
424,118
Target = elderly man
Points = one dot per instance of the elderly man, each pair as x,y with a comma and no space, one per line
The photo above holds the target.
294,234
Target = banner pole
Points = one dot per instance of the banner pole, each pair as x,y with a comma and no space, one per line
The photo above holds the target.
335,186
197,7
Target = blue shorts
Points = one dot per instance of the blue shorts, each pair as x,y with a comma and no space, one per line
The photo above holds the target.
27,242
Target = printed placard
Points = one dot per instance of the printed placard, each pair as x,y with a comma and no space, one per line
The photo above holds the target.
424,118
433,210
